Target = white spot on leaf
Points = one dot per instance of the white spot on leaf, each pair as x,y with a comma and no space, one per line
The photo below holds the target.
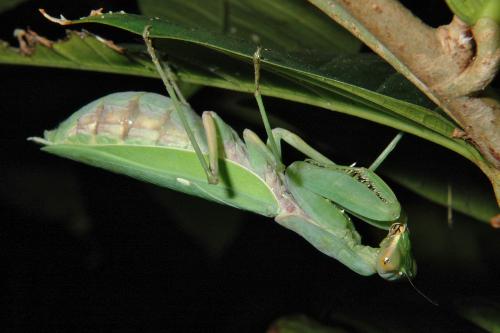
183,181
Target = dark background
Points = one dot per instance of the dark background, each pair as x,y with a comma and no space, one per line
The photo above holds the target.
82,248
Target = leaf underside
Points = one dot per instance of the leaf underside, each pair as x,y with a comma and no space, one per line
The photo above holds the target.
361,85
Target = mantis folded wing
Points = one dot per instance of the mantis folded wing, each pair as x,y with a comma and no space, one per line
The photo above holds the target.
163,141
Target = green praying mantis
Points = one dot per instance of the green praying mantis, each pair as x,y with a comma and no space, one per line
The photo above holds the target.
163,141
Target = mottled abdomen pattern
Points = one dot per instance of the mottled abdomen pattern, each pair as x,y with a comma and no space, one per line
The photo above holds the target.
140,118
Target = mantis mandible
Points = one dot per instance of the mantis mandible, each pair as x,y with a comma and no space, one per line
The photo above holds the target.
163,141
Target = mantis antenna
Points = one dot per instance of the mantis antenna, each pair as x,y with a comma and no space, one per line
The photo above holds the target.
174,92
420,292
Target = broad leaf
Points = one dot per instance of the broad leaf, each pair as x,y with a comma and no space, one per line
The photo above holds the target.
80,50
361,85
292,25
346,79
470,11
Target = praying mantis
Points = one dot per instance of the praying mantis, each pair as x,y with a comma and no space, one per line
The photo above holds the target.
163,141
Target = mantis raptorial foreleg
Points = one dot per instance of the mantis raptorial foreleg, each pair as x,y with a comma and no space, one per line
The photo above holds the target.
211,169
328,229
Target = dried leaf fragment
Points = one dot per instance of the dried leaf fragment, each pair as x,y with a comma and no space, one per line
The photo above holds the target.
28,40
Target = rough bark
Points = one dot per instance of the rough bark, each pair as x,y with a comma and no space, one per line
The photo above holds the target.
452,64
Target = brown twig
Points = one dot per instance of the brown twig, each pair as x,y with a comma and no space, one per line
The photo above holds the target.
441,62
452,64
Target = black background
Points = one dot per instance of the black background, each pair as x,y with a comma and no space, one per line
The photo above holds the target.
84,249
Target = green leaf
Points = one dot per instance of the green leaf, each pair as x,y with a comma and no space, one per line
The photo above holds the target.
470,11
482,312
359,85
439,184
301,324
292,25
346,84
80,50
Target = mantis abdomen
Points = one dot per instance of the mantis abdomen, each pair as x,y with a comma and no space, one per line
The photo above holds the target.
139,134
140,118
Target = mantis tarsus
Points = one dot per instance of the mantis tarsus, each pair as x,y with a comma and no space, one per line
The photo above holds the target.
163,141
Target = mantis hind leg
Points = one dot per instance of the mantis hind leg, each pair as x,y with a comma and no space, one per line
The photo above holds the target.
258,97
175,95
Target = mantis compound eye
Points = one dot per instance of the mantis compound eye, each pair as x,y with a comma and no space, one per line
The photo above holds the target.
394,260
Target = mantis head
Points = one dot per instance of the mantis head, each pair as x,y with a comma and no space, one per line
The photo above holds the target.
395,260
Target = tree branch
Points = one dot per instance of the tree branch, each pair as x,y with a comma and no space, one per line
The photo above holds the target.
452,64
